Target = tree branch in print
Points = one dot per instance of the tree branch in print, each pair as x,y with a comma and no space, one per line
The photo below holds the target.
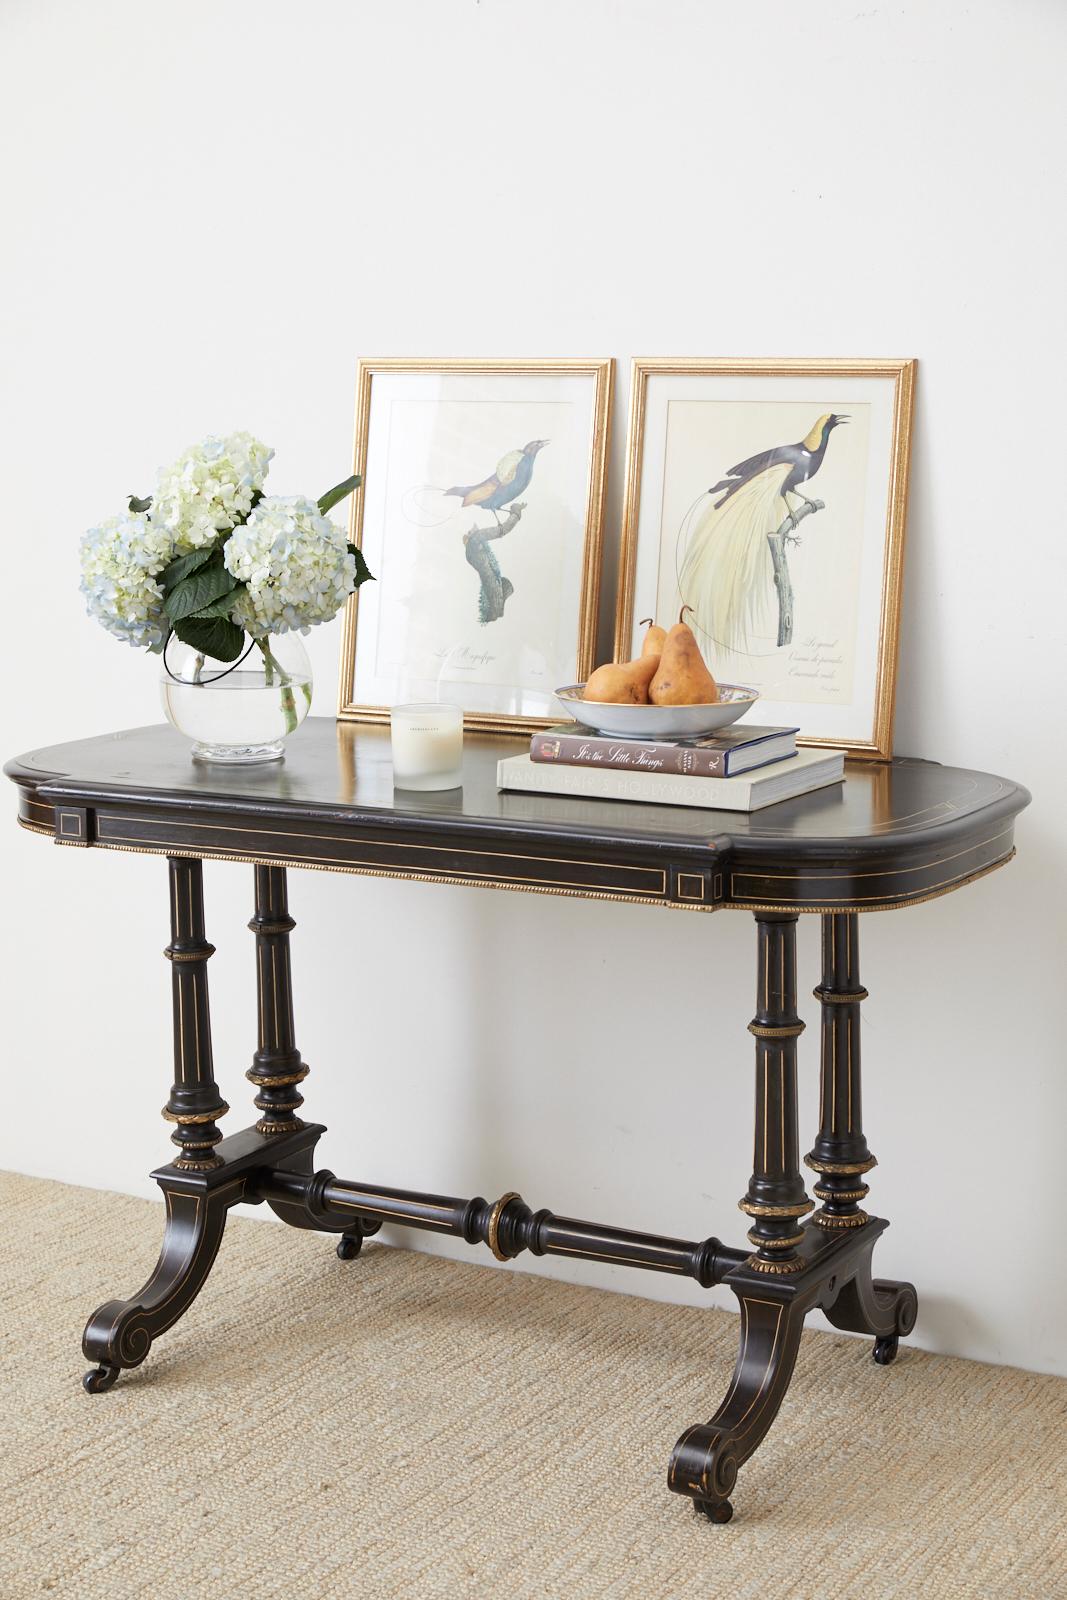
783,584
494,590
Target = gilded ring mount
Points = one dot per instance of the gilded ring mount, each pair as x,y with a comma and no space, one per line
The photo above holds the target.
787,1243
188,1118
203,952
279,1079
788,1030
756,1208
860,1192
848,1168
759,1265
851,1219
267,1129
492,1232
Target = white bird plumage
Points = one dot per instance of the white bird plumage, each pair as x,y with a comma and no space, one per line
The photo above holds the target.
726,573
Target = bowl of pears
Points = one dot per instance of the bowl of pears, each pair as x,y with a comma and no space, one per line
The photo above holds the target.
666,692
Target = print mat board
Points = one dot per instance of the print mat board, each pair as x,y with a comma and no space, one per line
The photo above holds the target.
480,516
769,496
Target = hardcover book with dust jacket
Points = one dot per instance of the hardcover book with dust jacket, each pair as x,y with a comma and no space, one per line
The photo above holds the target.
784,780
718,755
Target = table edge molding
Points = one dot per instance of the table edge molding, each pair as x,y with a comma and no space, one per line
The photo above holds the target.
518,887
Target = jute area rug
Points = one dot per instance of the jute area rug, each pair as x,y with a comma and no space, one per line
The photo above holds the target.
404,1426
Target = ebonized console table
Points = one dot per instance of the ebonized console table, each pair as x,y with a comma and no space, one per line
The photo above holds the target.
892,835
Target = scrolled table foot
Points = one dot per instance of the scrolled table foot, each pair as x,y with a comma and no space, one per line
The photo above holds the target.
98,1380
901,1302
879,1306
121,1333
707,1457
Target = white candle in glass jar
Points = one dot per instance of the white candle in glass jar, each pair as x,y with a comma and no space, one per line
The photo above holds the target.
427,745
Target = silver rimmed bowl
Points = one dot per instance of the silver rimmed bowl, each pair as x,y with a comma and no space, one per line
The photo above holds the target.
657,722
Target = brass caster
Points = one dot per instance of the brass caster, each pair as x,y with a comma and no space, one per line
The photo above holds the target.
99,1379
714,1510
349,1245
885,1349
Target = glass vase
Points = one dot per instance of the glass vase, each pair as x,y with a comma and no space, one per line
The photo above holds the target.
239,711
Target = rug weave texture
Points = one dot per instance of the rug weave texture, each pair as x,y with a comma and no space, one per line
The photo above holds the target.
403,1426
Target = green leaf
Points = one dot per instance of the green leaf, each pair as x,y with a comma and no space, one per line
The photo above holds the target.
221,607
212,636
339,492
139,505
182,566
192,594
363,572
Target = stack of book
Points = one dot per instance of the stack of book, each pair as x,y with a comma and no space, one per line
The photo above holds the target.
737,769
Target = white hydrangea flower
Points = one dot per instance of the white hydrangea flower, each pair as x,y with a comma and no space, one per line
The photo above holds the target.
120,560
209,487
295,563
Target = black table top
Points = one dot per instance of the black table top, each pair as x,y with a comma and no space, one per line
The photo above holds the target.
891,834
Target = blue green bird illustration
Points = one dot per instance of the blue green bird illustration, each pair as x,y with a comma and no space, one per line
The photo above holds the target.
512,476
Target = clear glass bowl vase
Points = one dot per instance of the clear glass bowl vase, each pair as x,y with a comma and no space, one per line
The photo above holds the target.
237,711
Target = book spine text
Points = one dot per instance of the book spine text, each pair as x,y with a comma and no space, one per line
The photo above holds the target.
627,755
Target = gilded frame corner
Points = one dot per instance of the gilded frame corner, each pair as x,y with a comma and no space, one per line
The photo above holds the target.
879,747
602,371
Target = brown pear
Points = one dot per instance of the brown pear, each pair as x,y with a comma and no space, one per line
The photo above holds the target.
622,683
655,638
681,678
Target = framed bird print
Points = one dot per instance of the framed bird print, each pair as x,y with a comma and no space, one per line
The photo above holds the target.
480,514
769,497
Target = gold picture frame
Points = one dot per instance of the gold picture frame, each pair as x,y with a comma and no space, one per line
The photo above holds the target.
868,732
351,706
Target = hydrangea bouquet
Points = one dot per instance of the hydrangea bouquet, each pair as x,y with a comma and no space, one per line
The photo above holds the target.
210,558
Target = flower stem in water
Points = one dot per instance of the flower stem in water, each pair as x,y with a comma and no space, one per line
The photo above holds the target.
271,666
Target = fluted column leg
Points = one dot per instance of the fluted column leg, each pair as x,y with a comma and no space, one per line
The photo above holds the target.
195,1104
776,1199
196,1187
840,1155
883,1307
276,1066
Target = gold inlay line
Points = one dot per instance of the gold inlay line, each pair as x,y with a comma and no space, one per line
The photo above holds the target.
848,1041
522,886
767,1374
920,897
274,993
895,872
765,1105
198,973
341,863
781,1105
393,1216
607,1255
357,837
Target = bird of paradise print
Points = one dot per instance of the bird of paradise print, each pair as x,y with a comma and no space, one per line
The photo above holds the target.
734,556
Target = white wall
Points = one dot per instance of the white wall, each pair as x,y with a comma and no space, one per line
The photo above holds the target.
211,210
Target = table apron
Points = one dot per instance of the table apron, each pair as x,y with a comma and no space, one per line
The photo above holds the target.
707,876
